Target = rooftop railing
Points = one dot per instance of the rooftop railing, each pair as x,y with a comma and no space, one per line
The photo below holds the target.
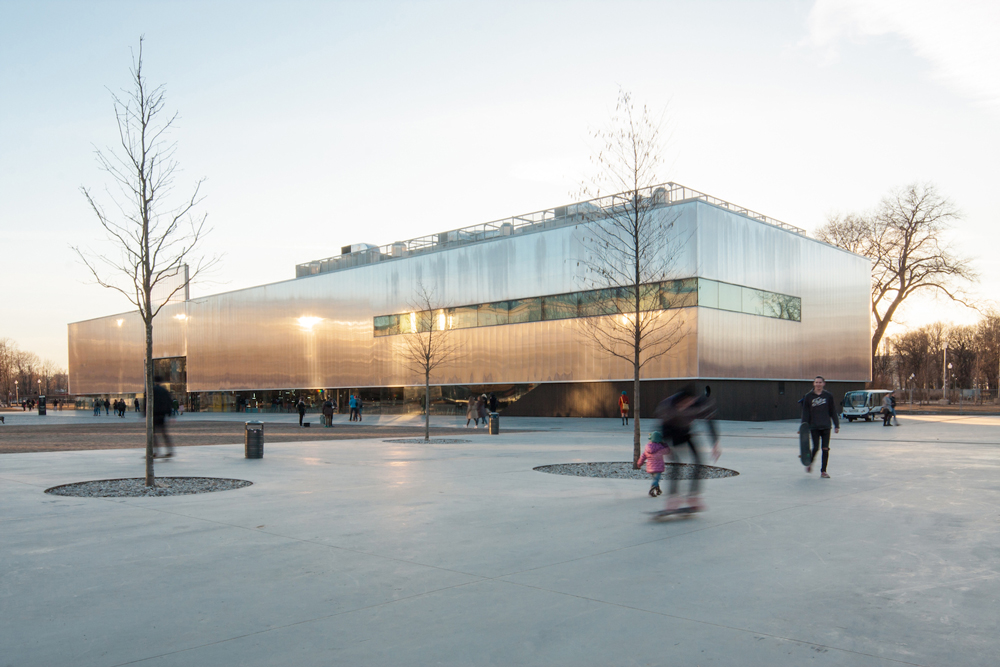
666,194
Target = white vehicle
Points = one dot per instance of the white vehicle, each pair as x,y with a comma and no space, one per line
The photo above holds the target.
864,404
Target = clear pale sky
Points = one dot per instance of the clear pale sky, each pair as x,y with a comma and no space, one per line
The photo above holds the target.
319,124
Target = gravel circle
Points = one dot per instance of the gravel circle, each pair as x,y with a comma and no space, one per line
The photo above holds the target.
432,441
623,470
135,487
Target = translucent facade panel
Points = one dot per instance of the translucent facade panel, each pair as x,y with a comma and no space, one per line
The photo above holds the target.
491,314
730,297
525,310
561,306
708,293
463,317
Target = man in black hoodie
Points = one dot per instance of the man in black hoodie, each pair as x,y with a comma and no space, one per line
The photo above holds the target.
818,411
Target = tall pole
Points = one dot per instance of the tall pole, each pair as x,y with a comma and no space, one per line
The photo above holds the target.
944,375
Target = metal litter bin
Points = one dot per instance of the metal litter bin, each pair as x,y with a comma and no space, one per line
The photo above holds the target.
253,444
494,423
41,405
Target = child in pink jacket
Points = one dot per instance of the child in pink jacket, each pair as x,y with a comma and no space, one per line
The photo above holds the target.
652,456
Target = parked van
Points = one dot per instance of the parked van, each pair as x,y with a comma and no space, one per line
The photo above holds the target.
864,404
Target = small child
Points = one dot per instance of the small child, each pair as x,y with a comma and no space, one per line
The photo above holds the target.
652,456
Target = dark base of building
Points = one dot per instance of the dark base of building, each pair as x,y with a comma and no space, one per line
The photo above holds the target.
738,400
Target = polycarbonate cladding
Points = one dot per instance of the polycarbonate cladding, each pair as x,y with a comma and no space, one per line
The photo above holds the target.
317,331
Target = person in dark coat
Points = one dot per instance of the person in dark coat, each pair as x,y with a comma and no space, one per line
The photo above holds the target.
819,411
301,407
161,408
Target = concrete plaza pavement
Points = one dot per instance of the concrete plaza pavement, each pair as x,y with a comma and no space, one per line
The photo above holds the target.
370,553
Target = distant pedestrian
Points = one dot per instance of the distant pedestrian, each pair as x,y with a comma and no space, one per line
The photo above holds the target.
892,406
652,456
818,411
482,410
328,413
353,404
623,407
135,402
493,402
301,407
107,407
97,407
886,410
471,412
361,407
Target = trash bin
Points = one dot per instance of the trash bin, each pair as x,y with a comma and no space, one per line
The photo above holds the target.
253,445
41,405
494,423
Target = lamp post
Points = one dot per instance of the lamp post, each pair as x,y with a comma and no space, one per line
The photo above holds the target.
944,376
17,396
946,387
912,375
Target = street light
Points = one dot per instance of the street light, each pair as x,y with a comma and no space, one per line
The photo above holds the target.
944,375
17,396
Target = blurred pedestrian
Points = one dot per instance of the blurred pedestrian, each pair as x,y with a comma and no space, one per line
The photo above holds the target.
677,414
301,407
161,408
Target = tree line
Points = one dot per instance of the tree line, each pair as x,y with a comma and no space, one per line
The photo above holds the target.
23,374
924,360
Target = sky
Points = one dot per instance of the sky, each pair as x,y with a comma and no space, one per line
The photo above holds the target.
320,124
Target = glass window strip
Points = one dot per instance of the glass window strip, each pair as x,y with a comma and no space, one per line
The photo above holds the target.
670,294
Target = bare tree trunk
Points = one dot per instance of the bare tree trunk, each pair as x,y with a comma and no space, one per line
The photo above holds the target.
636,431
149,403
427,406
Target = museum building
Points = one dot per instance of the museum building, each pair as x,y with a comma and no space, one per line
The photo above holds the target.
758,309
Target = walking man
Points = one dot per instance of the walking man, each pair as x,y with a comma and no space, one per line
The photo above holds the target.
818,411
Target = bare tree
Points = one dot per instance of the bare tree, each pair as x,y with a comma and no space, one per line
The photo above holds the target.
154,236
630,249
905,239
427,343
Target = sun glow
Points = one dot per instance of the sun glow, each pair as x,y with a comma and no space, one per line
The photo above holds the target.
307,323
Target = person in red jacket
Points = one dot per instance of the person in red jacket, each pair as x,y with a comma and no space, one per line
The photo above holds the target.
623,407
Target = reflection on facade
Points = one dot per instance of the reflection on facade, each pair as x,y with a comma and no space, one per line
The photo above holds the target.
758,303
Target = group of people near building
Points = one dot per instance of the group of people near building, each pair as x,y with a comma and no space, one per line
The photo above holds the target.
479,408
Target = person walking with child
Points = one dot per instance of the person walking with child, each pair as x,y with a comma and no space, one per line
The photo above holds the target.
652,456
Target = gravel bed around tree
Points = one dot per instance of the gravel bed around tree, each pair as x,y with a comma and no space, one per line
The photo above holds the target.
136,487
432,441
623,470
